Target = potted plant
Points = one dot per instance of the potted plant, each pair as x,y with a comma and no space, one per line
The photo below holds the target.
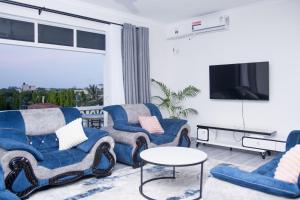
173,101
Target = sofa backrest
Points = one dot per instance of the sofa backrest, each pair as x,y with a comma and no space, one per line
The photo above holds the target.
293,139
36,126
42,121
133,112
38,121
129,113
12,120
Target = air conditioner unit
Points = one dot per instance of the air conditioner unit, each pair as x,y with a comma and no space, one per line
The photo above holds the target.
189,28
211,23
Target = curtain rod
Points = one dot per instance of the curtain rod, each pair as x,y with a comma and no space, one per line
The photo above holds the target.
41,9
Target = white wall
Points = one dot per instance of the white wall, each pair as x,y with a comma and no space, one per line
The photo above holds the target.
264,31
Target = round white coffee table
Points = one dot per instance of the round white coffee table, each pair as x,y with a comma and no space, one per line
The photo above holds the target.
172,157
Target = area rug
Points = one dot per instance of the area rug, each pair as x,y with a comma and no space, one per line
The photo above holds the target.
124,184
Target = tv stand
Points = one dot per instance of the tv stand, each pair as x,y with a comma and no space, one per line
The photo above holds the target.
252,140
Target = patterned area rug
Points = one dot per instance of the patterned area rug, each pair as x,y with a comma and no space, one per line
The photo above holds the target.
124,184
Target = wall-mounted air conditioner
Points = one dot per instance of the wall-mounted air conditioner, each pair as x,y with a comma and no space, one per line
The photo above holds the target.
207,23
210,23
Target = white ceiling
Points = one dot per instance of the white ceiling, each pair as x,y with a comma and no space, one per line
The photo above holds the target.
168,11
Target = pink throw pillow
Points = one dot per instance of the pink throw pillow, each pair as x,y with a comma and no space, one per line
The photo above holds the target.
288,169
151,124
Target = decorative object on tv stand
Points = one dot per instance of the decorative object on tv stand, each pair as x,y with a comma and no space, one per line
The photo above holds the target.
172,101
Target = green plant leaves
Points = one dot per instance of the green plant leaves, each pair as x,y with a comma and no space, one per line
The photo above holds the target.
189,91
163,87
172,101
187,111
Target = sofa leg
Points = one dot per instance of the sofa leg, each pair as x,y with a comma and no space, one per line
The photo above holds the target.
103,150
21,165
141,143
184,138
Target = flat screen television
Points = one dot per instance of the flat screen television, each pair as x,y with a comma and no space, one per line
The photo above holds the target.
245,81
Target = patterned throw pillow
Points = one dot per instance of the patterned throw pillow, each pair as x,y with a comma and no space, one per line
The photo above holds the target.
71,135
288,169
151,124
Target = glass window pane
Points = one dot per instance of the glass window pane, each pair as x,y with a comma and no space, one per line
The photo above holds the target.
55,35
42,81
90,40
16,30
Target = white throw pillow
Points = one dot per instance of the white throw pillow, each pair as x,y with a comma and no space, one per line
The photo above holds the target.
71,135
288,168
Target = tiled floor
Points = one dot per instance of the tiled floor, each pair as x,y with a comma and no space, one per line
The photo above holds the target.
238,157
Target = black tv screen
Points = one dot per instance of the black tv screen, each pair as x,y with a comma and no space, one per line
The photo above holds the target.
245,81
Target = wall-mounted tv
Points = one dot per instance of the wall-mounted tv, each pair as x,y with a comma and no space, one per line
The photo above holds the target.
244,81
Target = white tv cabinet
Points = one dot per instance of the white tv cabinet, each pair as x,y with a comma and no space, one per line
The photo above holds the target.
252,140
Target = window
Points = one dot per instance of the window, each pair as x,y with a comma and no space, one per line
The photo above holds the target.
50,35
16,30
90,40
55,35
50,76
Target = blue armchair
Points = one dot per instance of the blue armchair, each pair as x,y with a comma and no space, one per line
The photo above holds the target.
30,158
262,179
131,138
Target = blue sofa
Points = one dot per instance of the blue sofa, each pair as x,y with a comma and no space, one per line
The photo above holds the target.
131,138
262,179
29,155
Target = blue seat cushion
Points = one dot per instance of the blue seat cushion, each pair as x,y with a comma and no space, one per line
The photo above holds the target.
94,135
56,159
172,126
169,135
11,145
44,143
160,139
91,132
269,168
130,128
256,181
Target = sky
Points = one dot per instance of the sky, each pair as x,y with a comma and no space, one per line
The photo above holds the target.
49,68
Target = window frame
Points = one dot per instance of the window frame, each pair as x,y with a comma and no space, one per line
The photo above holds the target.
21,21
45,29
52,46
93,32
